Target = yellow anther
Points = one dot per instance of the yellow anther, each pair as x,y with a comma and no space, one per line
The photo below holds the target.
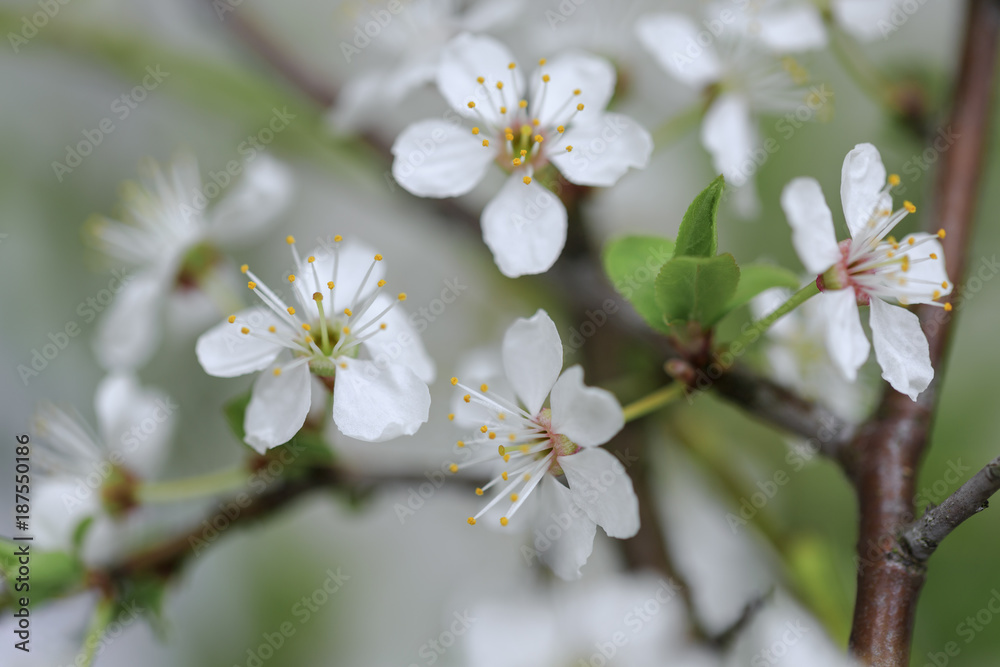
484,428
244,330
329,284
381,283
512,437
516,162
277,372
291,311
579,107
523,104
947,307
569,149
311,259
401,296
944,285
499,85
527,476
503,110
493,435
480,79
511,65
890,254
291,278
347,311
509,136
525,449
382,326
933,255
893,180
317,296
472,521
484,387
524,152
454,381
307,327
289,239
308,339
527,180
909,207
539,138
231,318
338,238
513,497
936,295
906,263
940,233
545,78
378,258
272,328
479,491
501,450
911,240
343,364
453,467
460,443
501,416
475,130
346,330
467,398
245,268
536,122
506,459
504,475
503,521
486,143
561,129
542,61
472,105
577,91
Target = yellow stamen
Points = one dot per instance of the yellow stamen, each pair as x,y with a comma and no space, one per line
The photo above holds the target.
569,149
484,428
401,296
453,467
291,311
467,398
475,130
523,104
579,107
232,318
484,387
504,475
486,143
472,105
542,61
479,492
272,328
311,259
245,268
277,372
909,207
472,521
291,278
940,233
346,330
378,258
513,497
329,284
338,238
493,435
289,239
947,307
545,78
307,327
503,521
527,180
244,330
480,79
933,255
252,285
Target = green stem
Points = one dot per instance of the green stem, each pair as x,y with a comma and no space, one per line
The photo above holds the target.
98,624
760,326
677,126
654,401
222,481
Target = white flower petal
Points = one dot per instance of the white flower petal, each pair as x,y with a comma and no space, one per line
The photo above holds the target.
845,339
573,531
253,203
729,134
278,407
594,77
812,224
375,403
59,504
926,275
484,15
532,358
225,352
672,39
136,422
603,150
399,343
861,179
602,487
797,28
864,19
130,330
468,57
524,227
433,158
588,416
901,348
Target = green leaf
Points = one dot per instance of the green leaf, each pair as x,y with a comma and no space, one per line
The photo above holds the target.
696,289
53,573
234,412
632,263
698,235
755,278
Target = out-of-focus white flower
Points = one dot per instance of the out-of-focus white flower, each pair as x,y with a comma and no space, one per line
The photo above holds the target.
95,474
344,330
868,269
797,355
740,80
557,117
537,447
412,41
788,26
635,621
172,243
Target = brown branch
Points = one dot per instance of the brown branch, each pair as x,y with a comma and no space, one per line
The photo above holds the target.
887,451
923,537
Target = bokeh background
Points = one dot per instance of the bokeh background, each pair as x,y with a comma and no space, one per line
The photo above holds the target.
409,578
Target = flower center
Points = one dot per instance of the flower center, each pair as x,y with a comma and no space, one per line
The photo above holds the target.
197,262
118,493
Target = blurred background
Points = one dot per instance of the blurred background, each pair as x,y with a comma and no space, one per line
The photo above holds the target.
422,588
